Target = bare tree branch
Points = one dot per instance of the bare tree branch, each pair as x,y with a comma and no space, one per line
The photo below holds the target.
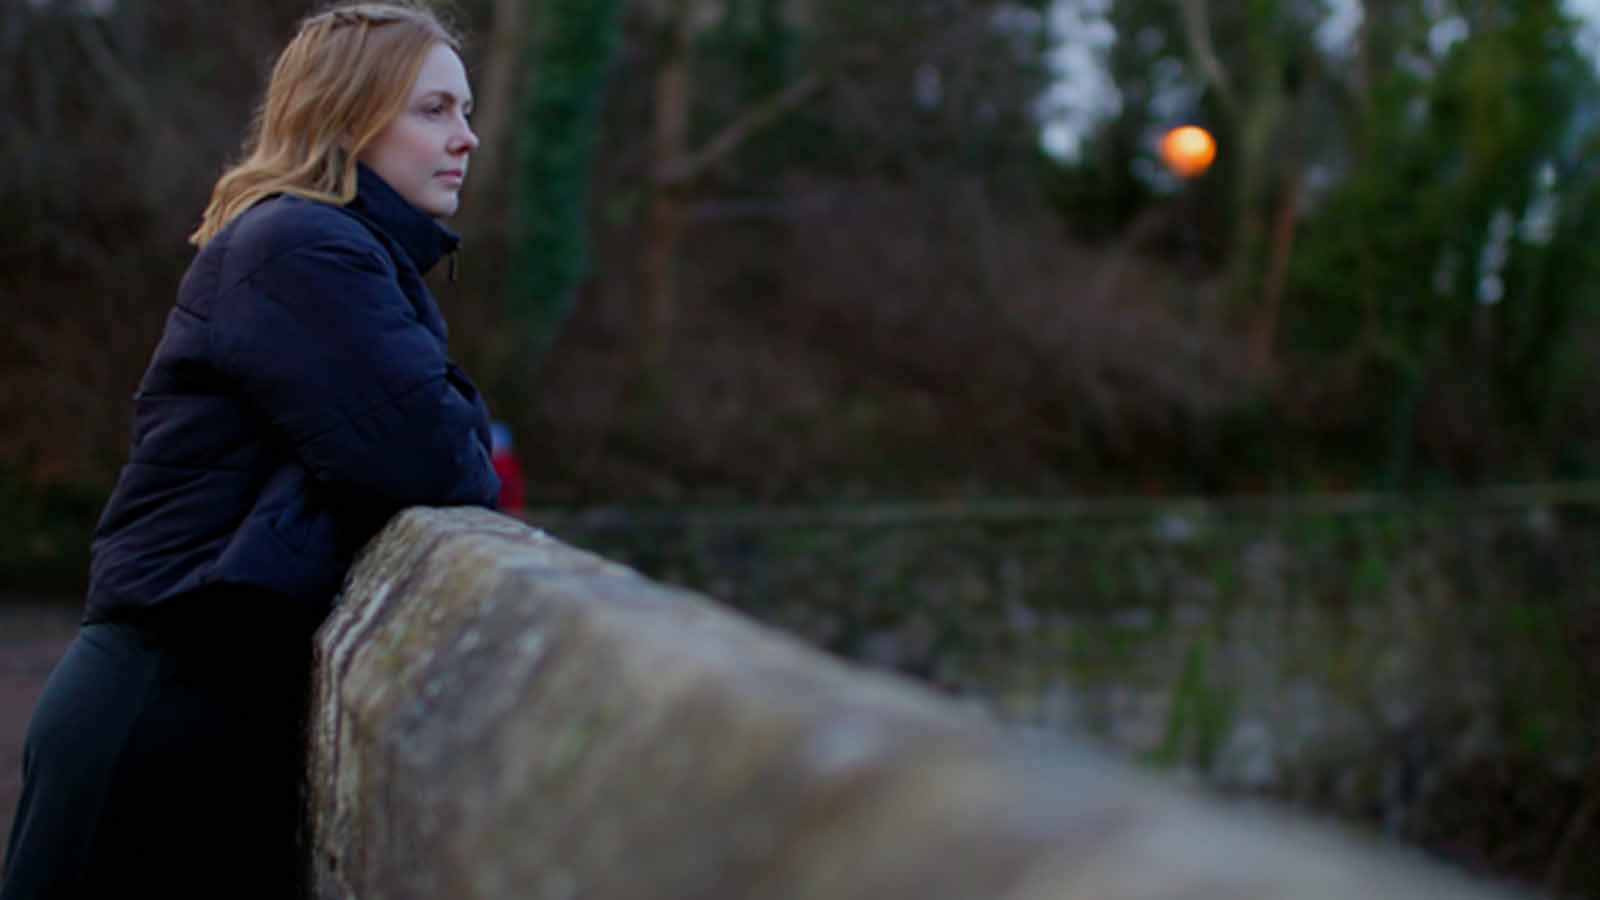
1197,28
688,168
119,82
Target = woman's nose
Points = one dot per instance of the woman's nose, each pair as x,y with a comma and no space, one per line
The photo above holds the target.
466,138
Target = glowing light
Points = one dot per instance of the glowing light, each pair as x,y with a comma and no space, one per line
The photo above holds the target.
1188,150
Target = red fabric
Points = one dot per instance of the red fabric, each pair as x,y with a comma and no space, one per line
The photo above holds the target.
513,487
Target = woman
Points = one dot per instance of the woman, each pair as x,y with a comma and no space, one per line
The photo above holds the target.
299,397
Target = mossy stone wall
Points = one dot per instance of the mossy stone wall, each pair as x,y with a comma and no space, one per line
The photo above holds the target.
1426,669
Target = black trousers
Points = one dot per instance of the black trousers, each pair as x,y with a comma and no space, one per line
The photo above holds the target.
166,756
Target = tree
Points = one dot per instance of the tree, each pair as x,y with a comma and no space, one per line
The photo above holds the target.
677,165
569,54
1451,265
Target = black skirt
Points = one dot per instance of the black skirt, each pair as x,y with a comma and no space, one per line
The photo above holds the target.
166,755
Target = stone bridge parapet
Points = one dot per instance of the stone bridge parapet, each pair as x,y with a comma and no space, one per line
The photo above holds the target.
500,715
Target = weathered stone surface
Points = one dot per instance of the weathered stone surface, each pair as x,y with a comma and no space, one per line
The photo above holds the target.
1420,668
504,716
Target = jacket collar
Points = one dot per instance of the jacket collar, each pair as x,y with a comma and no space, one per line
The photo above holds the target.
420,236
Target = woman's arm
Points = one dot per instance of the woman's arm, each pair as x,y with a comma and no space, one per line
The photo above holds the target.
323,341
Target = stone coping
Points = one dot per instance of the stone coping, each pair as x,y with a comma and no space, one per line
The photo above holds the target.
500,715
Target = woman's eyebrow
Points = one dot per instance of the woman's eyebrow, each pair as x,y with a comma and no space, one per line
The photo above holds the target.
446,95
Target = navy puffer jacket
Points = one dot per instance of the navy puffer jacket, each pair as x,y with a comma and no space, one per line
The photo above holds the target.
299,397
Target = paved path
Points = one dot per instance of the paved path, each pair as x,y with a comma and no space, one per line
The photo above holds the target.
33,634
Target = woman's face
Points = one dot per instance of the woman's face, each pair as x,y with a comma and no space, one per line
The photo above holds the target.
423,153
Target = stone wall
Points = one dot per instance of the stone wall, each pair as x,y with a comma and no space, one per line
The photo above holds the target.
1422,668
501,715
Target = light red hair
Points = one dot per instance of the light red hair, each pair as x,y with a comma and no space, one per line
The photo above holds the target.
342,79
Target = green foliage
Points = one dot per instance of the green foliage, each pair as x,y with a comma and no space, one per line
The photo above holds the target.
1455,253
1202,712
1099,193
754,55
571,50
1439,309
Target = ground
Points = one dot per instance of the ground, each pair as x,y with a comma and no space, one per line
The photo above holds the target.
34,632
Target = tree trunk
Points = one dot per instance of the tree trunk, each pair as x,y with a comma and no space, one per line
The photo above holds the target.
485,220
665,220
1264,337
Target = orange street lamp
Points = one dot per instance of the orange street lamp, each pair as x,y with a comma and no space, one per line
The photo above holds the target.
1188,150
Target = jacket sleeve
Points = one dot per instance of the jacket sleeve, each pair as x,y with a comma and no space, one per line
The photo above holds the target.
323,342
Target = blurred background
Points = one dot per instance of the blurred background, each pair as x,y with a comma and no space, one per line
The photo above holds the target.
811,249
892,323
